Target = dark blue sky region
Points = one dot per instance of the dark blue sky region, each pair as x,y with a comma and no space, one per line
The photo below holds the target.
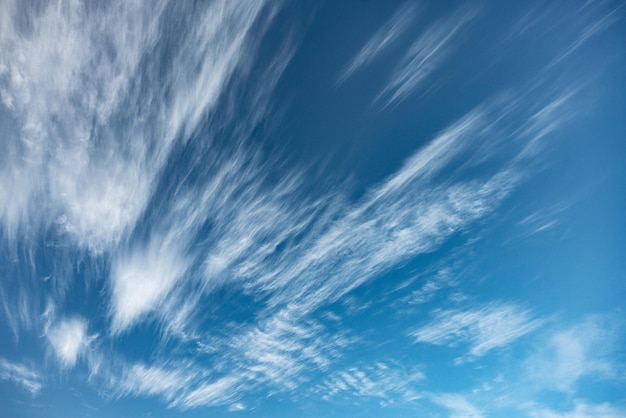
333,208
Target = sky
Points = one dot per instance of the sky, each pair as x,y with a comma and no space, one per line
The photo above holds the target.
275,208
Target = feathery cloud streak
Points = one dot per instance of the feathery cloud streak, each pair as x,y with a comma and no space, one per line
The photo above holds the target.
23,376
484,329
426,54
397,24
406,215
383,381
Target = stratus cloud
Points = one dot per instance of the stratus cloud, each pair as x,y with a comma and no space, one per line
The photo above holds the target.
68,338
484,328
381,40
21,375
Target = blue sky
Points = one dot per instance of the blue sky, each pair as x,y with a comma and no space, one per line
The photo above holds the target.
274,209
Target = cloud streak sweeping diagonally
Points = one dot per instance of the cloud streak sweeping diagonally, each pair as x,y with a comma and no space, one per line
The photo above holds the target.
310,208
381,40
486,328
21,375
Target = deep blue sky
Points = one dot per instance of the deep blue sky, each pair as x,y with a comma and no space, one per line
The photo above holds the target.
276,209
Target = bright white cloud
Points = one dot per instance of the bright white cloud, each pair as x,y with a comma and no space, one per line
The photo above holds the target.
21,375
68,338
142,280
484,328
88,144
55,170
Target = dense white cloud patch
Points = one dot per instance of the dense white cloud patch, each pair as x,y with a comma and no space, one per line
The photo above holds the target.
55,171
88,146
141,280
68,338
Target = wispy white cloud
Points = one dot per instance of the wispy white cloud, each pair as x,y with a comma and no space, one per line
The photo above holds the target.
404,216
222,391
458,405
441,279
334,247
227,193
397,24
389,383
484,329
546,219
590,25
68,338
584,350
282,349
426,54
154,380
21,375
238,406
581,409
18,311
